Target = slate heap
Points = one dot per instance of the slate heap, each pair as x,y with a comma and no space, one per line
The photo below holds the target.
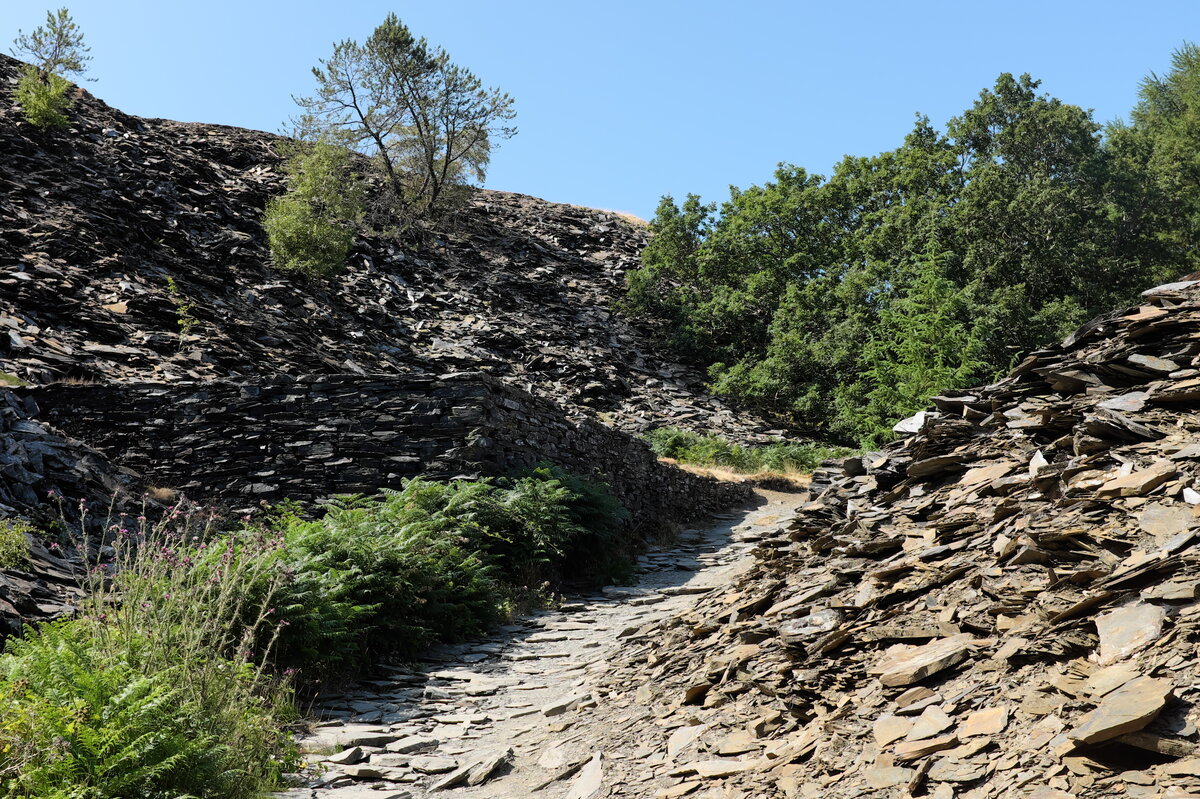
39,469
1003,604
97,219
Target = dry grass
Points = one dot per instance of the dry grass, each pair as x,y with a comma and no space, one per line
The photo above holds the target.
776,481
161,495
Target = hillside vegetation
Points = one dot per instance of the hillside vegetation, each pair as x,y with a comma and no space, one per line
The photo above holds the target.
843,303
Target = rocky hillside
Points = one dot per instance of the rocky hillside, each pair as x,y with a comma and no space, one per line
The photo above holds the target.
1003,604
97,218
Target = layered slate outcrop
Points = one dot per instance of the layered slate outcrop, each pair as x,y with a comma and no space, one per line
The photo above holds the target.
49,478
1003,604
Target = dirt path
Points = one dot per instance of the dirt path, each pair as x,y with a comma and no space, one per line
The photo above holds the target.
508,716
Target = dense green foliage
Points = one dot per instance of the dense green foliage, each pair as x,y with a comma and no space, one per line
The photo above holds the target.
14,544
311,228
427,124
156,689
780,458
54,49
841,304
1160,147
434,561
44,101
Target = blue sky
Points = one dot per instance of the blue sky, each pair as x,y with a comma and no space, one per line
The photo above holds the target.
620,102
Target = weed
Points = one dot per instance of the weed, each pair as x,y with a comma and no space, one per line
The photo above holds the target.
183,311
160,687
14,543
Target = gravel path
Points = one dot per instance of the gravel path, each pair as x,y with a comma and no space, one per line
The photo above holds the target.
508,716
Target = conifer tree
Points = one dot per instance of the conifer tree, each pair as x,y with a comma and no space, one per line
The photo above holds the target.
54,51
428,124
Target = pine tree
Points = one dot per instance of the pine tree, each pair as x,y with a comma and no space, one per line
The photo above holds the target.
428,123
54,51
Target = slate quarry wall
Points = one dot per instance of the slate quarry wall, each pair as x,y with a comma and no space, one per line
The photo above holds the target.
309,437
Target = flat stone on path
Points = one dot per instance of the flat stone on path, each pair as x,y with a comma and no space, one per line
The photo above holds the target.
349,736
489,765
560,706
347,756
590,779
412,743
430,764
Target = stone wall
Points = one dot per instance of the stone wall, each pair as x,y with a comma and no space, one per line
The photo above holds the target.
311,437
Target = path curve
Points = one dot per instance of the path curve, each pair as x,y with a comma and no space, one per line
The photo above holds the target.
508,715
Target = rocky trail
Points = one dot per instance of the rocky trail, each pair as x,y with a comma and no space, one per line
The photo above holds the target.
518,713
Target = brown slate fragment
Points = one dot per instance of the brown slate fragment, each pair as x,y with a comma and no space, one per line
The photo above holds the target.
1128,709
914,750
882,777
1153,364
931,721
935,465
991,721
1138,482
904,665
891,728
1127,630
1163,521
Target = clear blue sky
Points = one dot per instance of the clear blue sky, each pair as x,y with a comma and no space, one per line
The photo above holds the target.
621,101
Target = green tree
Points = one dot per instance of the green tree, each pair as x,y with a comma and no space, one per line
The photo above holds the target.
839,305
428,124
1035,221
1159,153
924,343
54,50
311,228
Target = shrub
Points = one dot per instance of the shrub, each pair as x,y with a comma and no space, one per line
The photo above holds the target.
311,228
54,49
302,241
600,552
688,447
376,577
44,102
78,720
14,543
434,561
157,689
